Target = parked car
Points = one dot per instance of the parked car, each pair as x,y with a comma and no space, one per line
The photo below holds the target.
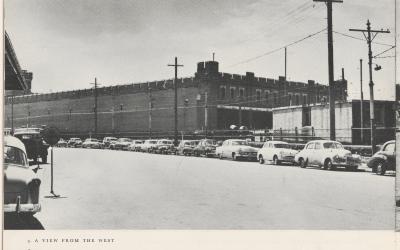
61,143
33,140
74,143
163,146
122,144
135,145
326,154
384,159
237,150
276,151
186,147
21,183
107,141
148,145
205,147
91,143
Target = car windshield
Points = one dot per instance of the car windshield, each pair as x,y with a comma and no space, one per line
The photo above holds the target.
152,142
187,143
125,140
13,155
235,143
281,145
333,145
166,142
138,142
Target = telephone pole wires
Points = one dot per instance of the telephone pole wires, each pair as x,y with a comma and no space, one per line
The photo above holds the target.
176,65
330,67
370,35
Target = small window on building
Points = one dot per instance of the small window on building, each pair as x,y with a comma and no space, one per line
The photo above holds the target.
275,98
290,99
232,93
304,99
222,91
297,99
241,92
258,94
266,96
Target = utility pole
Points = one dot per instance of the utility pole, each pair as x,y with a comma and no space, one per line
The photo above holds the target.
284,84
95,106
362,103
370,38
176,65
330,67
150,112
205,113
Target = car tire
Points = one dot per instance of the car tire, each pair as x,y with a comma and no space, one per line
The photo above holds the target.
276,161
302,163
380,168
220,156
261,159
328,165
234,157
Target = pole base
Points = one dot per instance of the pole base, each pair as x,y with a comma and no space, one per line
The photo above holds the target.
53,195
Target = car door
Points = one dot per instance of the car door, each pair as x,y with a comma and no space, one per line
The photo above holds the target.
268,151
308,151
389,152
317,154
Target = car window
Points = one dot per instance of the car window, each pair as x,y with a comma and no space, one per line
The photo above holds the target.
236,143
330,145
310,146
318,145
389,148
14,155
281,145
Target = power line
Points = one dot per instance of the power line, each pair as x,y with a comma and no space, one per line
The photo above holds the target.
361,39
276,50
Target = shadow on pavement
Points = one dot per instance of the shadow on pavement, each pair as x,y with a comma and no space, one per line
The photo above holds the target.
21,222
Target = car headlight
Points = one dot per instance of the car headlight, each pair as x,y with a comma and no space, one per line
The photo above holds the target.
240,151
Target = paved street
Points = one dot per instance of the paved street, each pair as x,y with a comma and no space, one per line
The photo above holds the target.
104,189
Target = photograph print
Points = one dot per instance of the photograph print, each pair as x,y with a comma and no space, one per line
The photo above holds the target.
215,115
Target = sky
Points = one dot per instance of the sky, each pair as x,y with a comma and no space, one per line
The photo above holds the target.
67,43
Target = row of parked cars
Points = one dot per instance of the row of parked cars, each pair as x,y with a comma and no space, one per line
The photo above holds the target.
319,153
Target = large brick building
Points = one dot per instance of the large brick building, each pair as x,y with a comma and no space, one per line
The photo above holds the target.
210,100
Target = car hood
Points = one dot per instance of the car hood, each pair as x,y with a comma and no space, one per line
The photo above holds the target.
245,148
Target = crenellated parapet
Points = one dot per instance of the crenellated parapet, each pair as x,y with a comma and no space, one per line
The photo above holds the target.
108,90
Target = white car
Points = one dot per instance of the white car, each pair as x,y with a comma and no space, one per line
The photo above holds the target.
276,151
91,143
135,145
147,145
236,149
326,154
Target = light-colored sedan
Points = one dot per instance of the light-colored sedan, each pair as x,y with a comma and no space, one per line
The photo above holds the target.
148,145
135,145
276,151
236,149
91,143
21,183
326,154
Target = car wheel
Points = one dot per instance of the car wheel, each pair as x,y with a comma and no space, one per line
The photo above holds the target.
261,159
380,168
220,156
302,163
234,157
328,165
276,161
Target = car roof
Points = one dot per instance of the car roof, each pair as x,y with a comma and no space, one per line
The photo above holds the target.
14,142
323,141
276,142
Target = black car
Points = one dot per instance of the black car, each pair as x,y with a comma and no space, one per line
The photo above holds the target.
33,140
205,147
384,159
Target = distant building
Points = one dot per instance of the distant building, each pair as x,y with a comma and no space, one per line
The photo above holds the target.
210,100
294,120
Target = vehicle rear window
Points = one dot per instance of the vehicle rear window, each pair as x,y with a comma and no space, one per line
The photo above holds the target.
13,155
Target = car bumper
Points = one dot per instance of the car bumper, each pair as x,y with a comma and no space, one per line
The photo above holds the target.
21,208
287,159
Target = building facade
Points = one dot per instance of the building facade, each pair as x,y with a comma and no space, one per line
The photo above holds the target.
211,100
